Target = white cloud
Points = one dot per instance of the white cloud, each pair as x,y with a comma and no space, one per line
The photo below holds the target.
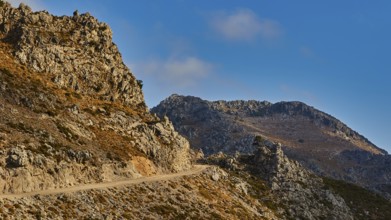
36,5
244,24
177,72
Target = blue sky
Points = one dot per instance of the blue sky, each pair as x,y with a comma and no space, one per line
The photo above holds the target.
333,55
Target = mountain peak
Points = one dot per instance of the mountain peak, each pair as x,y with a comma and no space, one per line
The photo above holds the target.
265,109
76,52
318,140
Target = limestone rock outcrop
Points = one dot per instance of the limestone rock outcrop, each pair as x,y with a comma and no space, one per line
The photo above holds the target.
299,193
304,193
76,52
71,111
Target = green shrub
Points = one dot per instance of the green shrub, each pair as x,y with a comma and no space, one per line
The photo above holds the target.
258,139
140,83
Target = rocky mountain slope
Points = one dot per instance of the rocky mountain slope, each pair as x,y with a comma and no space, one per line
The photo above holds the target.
72,114
302,194
319,141
71,111
265,185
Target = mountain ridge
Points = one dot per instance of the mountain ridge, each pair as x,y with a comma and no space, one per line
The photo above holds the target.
252,108
319,141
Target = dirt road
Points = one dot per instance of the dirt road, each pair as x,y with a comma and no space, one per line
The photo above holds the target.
196,169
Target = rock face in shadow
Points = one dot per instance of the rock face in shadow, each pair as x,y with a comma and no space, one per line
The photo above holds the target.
205,126
317,140
71,111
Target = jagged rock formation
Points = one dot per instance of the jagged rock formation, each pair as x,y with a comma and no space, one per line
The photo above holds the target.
302,194
75,52
319,141
205,126
71,111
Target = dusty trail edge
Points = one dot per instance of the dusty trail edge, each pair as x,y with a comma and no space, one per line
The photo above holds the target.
195,170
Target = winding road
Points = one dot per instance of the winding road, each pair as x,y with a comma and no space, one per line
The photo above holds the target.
195,170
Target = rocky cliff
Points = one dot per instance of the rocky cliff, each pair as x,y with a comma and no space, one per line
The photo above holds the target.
74,52
319,141
294,192
71,111
298,193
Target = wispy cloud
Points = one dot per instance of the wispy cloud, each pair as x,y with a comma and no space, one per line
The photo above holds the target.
180,72
36,5
245,25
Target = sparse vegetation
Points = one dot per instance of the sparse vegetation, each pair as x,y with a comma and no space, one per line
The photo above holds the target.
259,190
127,215
205,193
21,127
7,72
163,209
363,203
91,111
140,83
77,95
53,210
216,216
69,134
52,113
112,156
259,139
73,94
